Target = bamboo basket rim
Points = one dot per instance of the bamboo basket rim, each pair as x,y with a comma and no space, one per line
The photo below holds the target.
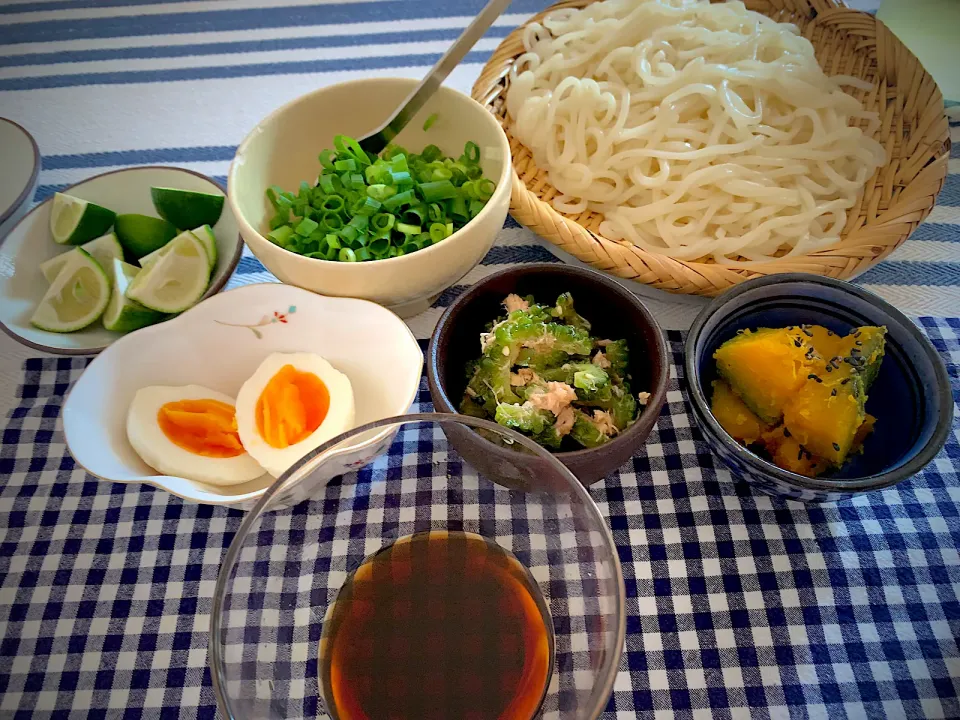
914,130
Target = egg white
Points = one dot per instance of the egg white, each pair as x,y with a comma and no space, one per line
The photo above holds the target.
165,456
340,415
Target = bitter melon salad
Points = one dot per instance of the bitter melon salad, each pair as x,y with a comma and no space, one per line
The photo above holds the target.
543,374
798,394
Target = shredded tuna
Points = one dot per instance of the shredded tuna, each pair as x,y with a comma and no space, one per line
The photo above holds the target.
643,398
541,343
523,376
514,302
600,360
555,397
604,422
564,422
604,343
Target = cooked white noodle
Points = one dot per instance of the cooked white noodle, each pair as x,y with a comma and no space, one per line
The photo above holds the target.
696,129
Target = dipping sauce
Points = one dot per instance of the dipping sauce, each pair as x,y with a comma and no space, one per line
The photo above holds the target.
443,625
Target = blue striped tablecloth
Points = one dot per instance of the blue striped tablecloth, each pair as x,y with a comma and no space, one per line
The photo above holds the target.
739,605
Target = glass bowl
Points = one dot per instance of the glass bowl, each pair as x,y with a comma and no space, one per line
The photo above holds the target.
270,652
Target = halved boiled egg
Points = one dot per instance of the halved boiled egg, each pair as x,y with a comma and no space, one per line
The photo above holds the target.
292,403
190,432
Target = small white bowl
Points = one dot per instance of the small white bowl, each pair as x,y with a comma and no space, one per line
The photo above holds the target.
219,344
283,150
21,165
29,243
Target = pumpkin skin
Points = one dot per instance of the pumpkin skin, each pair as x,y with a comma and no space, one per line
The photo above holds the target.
802,393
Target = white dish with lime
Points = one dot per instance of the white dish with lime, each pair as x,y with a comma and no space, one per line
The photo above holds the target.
114,253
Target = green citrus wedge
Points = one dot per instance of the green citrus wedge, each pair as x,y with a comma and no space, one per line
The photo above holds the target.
176,280
208,245
208,239
78,296
74,221
187,208
104,249
122,313
141,234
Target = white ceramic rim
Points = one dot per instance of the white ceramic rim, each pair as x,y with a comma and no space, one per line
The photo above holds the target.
502,183
305,465
7,213
212,290
235,499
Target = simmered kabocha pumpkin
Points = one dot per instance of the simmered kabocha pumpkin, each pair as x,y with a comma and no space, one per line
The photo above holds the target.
734,416
765,368
804,388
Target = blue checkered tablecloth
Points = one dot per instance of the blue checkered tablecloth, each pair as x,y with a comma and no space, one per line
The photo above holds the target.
739,605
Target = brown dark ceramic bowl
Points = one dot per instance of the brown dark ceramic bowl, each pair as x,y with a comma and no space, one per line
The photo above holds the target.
614,313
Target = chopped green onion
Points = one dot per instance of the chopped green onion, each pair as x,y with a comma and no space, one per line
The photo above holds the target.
429,121
431,153
472,151
331,221
379,247
281,235
432,192
401,177
381,192
326,159
382,222
438,232
306,227
365,207
408,229
399,200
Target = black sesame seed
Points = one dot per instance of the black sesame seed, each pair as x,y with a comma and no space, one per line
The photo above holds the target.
800,454
806,332
856,334
857,342
811,376
836,447
829,333
786,432
798,342
790,328
845,381
855,351
829,368
833,393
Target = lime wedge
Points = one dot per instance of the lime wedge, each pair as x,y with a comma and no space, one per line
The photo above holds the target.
198,234
141,234
77,297
207,238
122,313
187,208
174,281
104,249
74,221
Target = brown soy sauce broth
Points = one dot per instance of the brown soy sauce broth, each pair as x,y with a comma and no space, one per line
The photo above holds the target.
439,625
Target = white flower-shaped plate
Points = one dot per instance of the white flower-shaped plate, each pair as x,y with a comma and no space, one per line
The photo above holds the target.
219,344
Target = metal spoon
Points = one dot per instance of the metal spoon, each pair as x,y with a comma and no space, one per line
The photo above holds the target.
381,137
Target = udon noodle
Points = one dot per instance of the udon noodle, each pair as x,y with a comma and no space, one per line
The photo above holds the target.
696,129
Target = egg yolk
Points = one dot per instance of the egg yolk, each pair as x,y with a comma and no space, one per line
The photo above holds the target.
291,407
203,427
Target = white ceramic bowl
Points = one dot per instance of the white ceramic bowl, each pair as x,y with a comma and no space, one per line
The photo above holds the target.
283,150
29,243
219,344
21,165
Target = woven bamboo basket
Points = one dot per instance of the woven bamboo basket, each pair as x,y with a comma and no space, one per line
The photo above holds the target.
895,200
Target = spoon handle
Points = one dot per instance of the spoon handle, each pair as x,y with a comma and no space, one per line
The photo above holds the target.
379,138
